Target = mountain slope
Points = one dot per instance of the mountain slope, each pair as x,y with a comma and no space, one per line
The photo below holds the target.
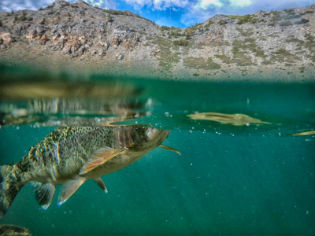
79,37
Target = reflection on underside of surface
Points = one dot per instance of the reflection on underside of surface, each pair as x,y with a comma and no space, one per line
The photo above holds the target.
49,103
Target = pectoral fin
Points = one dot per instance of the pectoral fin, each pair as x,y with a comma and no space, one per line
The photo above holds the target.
101,184
44,194
101,156
69,188
170,149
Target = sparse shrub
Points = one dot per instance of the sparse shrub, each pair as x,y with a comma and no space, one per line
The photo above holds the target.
283,52
225,59
289,11
188,33
22,17
222,22
239,50
136,15
247,19
0,23
116,12
309,12
245,33
283,55
210,22
109,18
201,63
302,21
212,65
122,13
42,22
285,23
294,40
65,4
175,32
166,57
310,44
181,42
191,30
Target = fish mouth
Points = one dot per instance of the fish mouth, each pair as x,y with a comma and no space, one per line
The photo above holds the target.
157,135
153,138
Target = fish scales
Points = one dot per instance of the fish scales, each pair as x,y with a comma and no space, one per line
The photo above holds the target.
71,147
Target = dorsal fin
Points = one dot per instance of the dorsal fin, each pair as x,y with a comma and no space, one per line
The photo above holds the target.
100,157
44,194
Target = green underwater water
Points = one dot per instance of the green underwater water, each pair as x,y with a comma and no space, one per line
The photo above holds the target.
229,180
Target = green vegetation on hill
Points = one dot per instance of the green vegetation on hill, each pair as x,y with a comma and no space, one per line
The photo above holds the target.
201,63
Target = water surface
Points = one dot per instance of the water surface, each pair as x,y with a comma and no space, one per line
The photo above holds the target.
254,179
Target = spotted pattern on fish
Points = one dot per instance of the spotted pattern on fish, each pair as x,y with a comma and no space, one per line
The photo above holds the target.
60,157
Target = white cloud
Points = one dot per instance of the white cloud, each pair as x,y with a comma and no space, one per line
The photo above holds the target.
158,4
204,9
163,22
138,3
15,5
162,4
106,4
241,3
204,4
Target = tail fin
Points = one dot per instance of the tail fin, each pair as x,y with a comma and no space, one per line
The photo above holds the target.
9,187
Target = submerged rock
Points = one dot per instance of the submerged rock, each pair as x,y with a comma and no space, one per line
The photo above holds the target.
13,230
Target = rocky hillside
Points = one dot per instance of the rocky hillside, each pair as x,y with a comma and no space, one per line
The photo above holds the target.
80,37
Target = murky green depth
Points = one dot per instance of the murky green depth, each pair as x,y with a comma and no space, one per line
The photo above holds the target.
230,180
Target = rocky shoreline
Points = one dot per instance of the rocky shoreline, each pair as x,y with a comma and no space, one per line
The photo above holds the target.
80,38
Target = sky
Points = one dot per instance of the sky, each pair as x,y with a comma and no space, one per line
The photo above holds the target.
178,13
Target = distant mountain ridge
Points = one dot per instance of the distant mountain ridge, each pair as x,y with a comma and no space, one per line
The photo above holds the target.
80,37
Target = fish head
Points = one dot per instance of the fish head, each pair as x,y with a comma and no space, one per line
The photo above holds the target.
146,138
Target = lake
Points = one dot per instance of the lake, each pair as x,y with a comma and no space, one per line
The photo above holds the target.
246,174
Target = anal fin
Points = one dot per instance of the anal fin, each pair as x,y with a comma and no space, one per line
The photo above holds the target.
170,149
100,157
69,188
101,184
44,194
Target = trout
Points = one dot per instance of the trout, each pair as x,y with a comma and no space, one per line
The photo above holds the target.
71,155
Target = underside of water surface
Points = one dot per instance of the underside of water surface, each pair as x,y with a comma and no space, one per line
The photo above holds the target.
246,165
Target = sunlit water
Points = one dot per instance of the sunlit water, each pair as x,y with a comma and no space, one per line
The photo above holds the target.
255,179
